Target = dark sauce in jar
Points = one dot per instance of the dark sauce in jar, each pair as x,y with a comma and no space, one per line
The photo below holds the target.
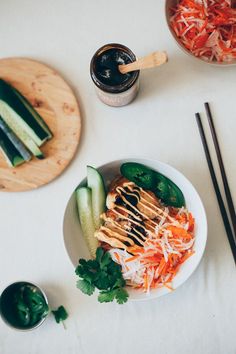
106,66
113,87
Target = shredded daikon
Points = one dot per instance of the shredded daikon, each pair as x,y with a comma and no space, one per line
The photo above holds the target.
207,28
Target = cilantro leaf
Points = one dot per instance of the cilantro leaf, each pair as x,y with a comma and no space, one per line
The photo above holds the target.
88,271
60,314
114,268
121,295
119,283
85,287
83,262
104,274
80,270
106,259
106,296
93,264
99,254
102,283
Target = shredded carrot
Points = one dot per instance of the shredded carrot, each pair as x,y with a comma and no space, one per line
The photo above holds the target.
191,223
117,256
131,259
157,262
186,256
145,282
160,267
135,249
153,259
206,28
168,286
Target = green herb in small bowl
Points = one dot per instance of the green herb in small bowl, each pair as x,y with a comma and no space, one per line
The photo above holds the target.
23,306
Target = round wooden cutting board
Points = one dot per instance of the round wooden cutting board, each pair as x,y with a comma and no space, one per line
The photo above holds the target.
54,100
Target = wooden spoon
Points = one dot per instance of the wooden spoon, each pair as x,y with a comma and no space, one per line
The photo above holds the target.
150,61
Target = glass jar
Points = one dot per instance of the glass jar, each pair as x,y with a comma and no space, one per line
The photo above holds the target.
112,87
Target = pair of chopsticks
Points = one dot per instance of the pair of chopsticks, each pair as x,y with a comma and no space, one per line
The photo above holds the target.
231,231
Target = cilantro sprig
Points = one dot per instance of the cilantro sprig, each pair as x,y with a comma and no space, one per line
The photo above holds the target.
105,275
60,314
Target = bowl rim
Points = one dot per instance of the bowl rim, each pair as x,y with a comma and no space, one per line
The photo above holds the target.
21,329
184,49
162,291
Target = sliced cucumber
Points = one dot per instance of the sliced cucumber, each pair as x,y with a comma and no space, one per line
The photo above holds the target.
10,117
34,113
96,184
12,155
24,116
84,204
15,140
16,119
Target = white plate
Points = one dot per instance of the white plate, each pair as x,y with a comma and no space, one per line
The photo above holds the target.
76,247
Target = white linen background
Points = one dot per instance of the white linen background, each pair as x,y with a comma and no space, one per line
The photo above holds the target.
200,316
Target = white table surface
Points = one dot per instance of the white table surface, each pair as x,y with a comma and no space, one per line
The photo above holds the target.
200,316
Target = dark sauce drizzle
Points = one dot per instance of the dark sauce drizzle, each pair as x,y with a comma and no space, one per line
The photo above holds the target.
133,198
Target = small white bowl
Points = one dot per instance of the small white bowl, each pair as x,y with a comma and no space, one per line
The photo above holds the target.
172,3
75,244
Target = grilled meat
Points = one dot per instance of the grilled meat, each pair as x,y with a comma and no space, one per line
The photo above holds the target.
130,210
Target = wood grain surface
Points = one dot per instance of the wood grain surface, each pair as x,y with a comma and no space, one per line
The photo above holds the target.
55,102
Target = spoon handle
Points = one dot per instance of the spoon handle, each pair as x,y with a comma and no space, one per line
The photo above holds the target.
150,61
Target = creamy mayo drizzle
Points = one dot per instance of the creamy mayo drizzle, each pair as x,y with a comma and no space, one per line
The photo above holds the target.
153,206
135,225
125,229
112,233
145,216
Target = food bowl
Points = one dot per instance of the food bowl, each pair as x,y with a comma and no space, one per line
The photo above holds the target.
172,3
75,244
8,310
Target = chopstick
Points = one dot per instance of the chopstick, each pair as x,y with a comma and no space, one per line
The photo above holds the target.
223,211
222,168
